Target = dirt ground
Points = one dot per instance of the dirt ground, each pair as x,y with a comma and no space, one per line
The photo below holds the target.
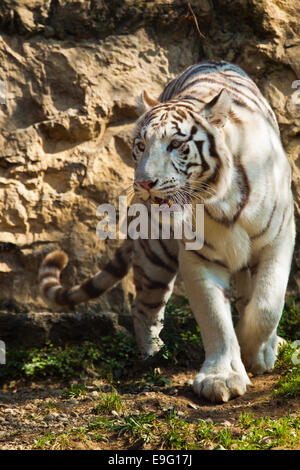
31,410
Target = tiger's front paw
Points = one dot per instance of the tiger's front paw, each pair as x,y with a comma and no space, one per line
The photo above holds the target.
259,359
220,387
151,347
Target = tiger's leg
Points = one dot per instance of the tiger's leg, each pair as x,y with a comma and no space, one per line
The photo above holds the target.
155,268
256,329
222,375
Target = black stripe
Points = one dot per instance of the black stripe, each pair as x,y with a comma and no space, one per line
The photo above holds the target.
167,93
285,212
90,289
157,285
151,283
179,118
267,226
48,274
183,104
191,164
199,144
118,267
244,187
225,85
54,262
194,70
254,89
175,124
210,260
177,169
62,297
244,191
191,97
160,304
48,286
181,113
169,255
154,258
165,188
212,146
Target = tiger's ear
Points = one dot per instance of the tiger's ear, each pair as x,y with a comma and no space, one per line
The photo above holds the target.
217,110
145,102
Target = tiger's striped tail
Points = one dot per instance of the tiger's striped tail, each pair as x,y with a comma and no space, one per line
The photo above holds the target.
57,295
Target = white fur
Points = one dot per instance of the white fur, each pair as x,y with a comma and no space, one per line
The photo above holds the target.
262,235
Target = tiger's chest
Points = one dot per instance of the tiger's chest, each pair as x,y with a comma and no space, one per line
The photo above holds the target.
228,245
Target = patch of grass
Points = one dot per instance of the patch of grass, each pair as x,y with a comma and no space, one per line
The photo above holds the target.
49,405
261,433
45,442
137,426
119,354
288,363
172,432
155,378
101,424
75,391
113,357
49,361
64,441
203,431
181,333
109,402
289,326
175,436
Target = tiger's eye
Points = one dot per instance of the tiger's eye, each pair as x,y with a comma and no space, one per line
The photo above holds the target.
174,144
141,146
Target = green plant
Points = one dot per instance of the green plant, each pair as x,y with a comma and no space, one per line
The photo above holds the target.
289,326
154,378
289,384
114,356
109,402
75,390
176,434
136,426
181,333
44,442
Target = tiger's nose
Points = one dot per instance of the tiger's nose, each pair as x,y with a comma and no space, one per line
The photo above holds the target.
146,184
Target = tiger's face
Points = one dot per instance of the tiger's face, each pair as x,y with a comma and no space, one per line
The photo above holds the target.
177,155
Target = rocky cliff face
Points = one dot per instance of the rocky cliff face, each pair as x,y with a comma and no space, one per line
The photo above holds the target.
72,70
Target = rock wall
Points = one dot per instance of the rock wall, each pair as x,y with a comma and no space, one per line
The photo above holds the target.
72,70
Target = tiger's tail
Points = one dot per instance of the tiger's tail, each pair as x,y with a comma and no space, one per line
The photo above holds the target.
56,295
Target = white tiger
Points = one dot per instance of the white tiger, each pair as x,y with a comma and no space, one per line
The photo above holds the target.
212,138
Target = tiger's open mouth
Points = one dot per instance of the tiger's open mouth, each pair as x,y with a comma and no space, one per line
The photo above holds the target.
178,201
160,202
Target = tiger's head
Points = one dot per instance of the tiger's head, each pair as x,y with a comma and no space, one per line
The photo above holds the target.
180,150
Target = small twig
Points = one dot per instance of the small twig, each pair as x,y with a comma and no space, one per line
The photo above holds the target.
195,20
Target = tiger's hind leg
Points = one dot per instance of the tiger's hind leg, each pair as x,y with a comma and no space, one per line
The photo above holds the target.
154,268
257,327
